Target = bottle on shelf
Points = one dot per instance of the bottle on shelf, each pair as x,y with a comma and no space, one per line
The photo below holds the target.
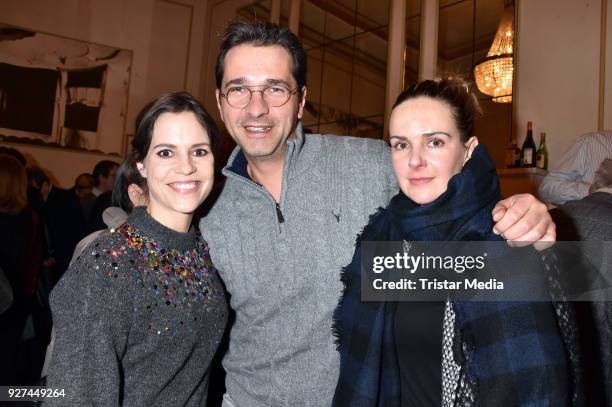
542,154
517,155
513,155
528,152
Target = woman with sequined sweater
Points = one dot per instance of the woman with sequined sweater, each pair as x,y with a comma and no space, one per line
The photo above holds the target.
140,313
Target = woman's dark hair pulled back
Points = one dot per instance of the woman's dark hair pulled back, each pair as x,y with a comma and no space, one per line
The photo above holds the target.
455,93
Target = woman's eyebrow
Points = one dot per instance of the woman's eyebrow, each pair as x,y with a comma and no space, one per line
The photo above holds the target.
433,133
164,145
398,137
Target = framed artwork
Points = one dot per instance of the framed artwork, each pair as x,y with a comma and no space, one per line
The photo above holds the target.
61,92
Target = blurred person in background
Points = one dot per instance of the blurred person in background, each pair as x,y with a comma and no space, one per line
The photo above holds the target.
83,189
590,219
20,260
62,226
34,200
104,174
62,220
571,179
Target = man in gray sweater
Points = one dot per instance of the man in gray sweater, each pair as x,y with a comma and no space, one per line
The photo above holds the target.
286,221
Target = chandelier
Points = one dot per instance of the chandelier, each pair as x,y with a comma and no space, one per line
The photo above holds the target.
494,73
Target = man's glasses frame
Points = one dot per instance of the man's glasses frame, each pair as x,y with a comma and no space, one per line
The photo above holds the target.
233,98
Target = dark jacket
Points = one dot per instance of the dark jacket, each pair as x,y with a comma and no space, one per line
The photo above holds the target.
20,251
96,209
517,360
590,219
63,227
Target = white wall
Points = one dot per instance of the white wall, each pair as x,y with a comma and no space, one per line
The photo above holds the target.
558,71
147,27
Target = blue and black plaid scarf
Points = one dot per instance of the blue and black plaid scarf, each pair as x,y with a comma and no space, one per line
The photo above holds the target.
515,355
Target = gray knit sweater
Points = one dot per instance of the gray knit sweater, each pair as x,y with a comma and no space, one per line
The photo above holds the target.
138,318
282,265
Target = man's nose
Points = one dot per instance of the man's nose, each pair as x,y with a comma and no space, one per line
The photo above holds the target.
258,106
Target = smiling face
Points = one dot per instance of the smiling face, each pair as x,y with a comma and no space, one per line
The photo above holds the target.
260,130
426,148
178,168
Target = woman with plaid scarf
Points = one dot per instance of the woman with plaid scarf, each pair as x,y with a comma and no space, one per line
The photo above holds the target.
453,353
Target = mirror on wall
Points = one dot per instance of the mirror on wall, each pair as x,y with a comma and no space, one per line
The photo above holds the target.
346,47
466,31
346,44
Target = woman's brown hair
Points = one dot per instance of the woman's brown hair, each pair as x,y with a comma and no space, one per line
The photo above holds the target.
455,92
13,185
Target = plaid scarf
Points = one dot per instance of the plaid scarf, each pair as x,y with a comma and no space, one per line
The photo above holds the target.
512,352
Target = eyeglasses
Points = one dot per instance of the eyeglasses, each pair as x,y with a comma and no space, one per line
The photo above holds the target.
240,97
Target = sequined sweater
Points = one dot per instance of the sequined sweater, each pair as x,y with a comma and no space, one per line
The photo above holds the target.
138,318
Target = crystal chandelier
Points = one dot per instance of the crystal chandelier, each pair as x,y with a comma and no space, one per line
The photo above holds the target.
494,73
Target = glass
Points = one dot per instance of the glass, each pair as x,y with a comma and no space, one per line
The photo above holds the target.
240,97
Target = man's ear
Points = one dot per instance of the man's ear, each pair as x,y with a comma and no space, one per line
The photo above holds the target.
471,145
302,103
218,96
141,169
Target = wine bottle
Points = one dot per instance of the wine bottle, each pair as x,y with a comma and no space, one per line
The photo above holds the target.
517,155
513,155
510,155
542,155
529,149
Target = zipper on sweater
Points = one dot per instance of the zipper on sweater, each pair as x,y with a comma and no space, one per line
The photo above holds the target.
279,213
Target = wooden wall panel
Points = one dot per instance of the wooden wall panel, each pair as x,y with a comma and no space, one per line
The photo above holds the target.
170,43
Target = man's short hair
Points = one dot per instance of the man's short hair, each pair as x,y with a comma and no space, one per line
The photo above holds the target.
262,34
84,180
104,168
603,175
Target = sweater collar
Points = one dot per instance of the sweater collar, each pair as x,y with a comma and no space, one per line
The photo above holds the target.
166,237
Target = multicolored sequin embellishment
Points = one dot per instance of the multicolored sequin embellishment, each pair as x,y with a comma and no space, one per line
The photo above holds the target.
178,277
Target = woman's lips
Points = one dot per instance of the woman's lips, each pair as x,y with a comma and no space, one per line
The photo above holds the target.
185,187
420,181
